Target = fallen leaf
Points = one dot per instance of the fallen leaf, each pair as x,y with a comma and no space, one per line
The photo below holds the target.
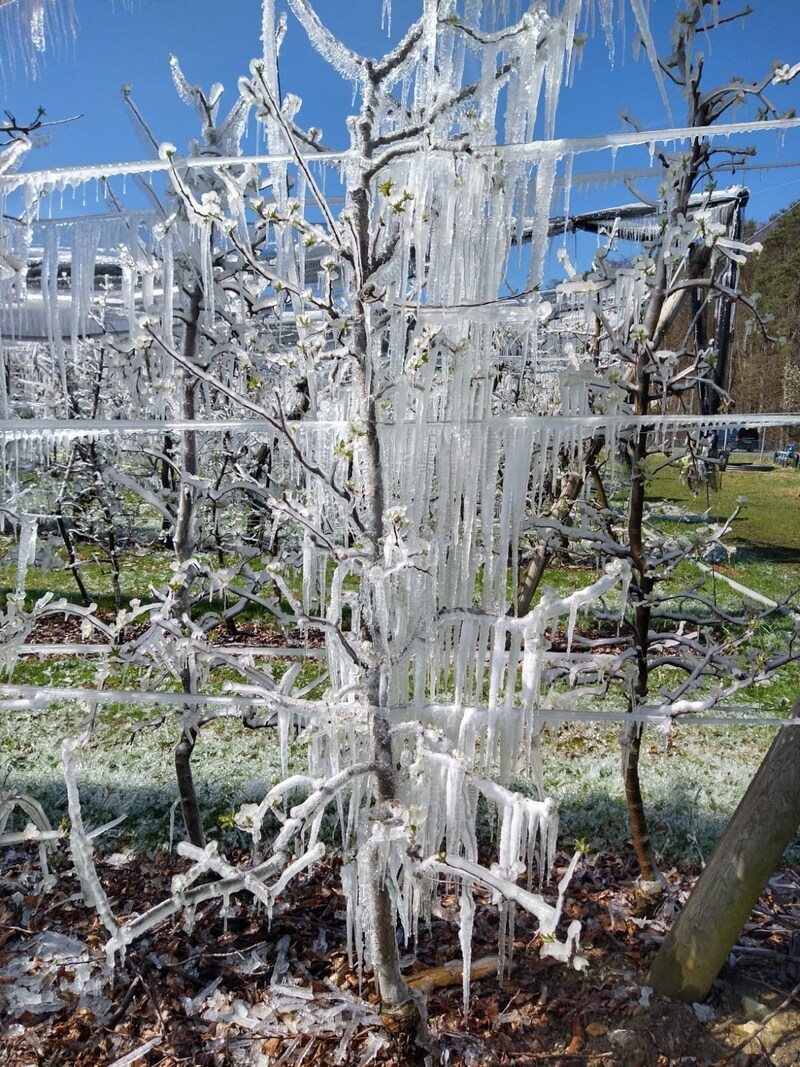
596,1029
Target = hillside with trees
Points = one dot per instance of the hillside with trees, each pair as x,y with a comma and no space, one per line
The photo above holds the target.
766,362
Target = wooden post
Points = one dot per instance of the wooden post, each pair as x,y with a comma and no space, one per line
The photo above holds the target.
747,854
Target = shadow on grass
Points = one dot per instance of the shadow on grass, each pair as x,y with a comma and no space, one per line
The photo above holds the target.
748,548
152,813
751,552
684,831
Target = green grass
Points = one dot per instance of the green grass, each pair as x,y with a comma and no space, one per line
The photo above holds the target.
768,521
765,557
142,570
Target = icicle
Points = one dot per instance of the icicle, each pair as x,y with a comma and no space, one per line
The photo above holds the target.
466,917
26,555
545,181
567,187
643,22
573,615
308,574
284,724
454,805
349,878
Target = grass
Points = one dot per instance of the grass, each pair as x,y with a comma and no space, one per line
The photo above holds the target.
127,768
691,783
141,569
765,552
767,525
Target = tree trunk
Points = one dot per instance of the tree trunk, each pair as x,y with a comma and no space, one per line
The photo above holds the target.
167,476
747,854
66,536
184,547
72,556
190,806
401,1009
651,884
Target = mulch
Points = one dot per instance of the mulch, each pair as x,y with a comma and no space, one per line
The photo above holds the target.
214,990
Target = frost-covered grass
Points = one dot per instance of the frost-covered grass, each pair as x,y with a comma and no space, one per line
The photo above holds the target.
691,785
692,782
127,768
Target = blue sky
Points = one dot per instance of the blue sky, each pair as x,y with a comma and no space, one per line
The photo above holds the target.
129,41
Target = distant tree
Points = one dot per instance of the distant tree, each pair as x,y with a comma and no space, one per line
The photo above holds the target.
776,280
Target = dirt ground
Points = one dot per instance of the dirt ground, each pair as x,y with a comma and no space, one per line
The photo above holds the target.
225,991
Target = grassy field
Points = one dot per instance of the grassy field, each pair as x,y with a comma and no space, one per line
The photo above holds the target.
769,521
692,779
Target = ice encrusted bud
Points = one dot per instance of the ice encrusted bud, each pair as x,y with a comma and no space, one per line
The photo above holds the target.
395,516
784,73
211,206
246,817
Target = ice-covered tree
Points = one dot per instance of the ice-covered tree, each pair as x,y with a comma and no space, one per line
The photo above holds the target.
350,422
399,483
666,329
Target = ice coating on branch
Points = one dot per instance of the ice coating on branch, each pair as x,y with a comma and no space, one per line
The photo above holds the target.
12,154
341,58
26,555
37,829
80,844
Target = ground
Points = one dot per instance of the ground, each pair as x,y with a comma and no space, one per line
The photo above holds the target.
228,991
233,990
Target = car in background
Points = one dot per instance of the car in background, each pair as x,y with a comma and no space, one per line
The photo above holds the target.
746,440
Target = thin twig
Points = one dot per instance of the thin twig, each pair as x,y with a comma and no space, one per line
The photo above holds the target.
751,1037
130,993
540,1057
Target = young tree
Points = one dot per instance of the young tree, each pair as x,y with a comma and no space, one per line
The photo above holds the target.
402,486
690,259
